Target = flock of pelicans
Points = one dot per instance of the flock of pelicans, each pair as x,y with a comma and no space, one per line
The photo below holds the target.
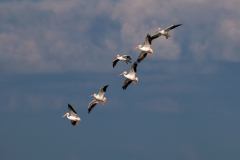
130,77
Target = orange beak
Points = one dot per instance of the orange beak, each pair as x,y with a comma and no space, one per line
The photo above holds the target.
121,74
137,47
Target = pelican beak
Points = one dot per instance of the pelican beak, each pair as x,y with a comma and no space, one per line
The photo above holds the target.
137,47
64,115
121,74
91,95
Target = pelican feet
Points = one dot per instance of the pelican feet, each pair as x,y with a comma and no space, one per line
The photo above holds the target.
150,54
77,122
168,35
103,103
134,82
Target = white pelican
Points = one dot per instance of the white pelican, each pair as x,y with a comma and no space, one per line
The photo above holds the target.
146,48
73,115
130,76
164,32
125,58
98,97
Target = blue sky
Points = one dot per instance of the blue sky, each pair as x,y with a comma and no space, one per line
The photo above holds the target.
185,105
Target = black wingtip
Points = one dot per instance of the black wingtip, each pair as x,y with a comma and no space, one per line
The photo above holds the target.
105,88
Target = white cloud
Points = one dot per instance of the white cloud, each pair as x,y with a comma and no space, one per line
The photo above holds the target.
59,36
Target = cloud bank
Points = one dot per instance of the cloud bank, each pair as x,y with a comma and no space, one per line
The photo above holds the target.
59,36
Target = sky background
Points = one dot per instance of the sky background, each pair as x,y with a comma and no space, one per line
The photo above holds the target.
185,105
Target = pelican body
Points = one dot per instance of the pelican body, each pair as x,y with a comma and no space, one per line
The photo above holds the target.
130,77
72,116
98,98
124,58
146,49
164,32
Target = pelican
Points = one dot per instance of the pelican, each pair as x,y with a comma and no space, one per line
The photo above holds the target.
130,76
98,98
73,115
146,48
125,58
164,32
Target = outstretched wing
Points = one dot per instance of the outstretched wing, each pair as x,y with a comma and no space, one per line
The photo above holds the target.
156,35
141,56
127,57
148,41
126,83
102,91
72,111
91,105
115,62
172,27
133,69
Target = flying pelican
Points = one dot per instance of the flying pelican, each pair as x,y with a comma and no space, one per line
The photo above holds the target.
146,48
73,115
130,76
125,58
164,32
98,97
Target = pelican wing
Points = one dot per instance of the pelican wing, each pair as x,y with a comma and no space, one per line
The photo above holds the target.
133,69
126,83
172,27
127,57
156,35
141,56
115,62
73,122
102,91
148,41
91,105
72,111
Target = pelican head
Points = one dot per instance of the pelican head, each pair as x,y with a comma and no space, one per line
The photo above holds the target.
139,46
117,56
66,114
123,73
